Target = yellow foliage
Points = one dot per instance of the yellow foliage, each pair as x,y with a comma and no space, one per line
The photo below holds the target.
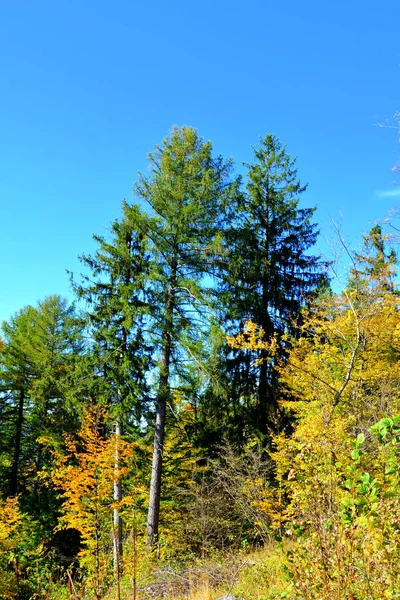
85,475
347,359
336,487
10,526
253,339
343,374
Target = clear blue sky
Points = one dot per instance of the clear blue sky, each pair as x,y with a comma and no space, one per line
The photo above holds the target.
89,87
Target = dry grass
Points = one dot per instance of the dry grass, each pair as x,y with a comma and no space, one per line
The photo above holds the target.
256,575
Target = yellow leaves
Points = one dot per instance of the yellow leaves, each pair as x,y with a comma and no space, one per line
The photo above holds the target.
396,337
342,375
10,523
274,507
343,505
252,338
10,531
86,475
347,358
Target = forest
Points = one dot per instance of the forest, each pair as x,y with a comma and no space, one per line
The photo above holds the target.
217,414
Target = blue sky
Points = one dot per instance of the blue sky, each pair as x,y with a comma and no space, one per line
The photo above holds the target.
89,87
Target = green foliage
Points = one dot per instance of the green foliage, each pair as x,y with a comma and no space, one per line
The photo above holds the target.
290,432
183,195
268,276
42,347
116,310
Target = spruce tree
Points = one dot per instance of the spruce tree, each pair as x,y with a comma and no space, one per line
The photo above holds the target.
119,357
269,274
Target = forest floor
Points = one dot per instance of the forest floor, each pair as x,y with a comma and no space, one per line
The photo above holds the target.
255,575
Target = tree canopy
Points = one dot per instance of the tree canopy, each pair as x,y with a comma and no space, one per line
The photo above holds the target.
209,391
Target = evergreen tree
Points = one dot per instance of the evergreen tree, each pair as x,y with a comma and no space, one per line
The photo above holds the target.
41,348
269,274
16,373
374,265
184,194
116,308
119,357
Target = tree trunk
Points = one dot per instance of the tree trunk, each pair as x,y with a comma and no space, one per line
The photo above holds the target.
156,471
163,395
117,520
17,445
264,389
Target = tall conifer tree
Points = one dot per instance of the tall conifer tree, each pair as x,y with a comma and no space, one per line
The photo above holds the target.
184,195
42,345
270,272
119,359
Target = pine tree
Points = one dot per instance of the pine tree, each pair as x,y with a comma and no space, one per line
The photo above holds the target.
374,265
116,308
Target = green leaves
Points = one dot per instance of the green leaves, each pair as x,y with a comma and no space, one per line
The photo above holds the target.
117,313
269,274
357,452
360,440
387,430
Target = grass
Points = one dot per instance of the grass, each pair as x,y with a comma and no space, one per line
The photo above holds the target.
255,575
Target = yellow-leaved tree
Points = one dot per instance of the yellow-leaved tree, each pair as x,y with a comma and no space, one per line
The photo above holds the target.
10,539
336,488
86,474
338,472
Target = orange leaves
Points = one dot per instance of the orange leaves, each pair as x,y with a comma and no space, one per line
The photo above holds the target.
10,537
85,475
10,522
87,472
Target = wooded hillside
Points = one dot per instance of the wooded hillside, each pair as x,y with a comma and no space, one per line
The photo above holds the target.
214,391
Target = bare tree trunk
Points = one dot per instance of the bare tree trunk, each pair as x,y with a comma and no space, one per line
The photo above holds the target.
265,393
117,521
17,444
153,517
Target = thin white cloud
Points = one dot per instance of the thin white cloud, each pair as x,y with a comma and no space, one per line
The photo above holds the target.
393,193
